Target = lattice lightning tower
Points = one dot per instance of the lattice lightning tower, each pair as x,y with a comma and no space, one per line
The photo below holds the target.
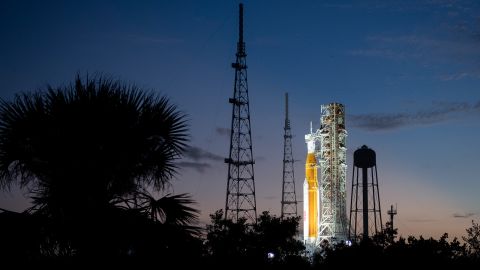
240,199
289,198
333,170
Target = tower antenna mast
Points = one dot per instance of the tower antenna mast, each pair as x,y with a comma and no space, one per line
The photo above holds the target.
289,198
240,199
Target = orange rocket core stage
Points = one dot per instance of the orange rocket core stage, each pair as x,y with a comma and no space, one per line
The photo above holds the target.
312,182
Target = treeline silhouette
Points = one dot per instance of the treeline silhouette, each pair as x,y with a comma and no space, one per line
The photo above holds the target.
384,249
97,158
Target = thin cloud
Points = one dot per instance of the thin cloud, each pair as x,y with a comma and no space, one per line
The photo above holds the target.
425,48
454,76
336,5
456,44
394,6
223,131
473,74
383,53
155,40
464,215
440,113
260,158
196,153
198,166
196,158
422,220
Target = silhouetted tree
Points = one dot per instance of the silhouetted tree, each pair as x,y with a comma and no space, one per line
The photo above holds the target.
241,244
169,230
386,237
228,240
382,249
83,149
473,241
20,235
277,237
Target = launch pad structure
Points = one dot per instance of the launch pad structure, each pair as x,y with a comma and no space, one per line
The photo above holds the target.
325,208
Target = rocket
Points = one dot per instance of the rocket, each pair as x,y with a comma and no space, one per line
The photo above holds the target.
310,193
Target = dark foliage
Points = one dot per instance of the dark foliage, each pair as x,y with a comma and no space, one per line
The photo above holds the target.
382,250
473,241
97,138
241,245
85,151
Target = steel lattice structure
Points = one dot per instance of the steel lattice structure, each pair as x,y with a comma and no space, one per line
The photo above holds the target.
289,198
366,203
333,170
240,199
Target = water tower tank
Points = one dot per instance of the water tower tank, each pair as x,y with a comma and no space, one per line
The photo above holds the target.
364,157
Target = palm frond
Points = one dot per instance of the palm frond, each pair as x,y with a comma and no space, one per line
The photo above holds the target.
21,123
94,128
170,209
81,147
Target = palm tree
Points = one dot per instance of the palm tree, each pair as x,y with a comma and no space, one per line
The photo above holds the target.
169,229
79,148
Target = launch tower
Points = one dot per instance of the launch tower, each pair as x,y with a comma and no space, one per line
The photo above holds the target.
333,170
329,146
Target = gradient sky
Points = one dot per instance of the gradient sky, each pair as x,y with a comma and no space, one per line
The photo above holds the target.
408,73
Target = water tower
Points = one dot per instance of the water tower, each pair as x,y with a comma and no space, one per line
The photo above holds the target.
365,196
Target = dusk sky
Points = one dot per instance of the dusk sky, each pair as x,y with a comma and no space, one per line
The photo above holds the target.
408,73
